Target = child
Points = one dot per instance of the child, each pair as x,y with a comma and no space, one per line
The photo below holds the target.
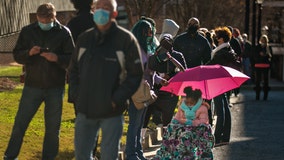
189,134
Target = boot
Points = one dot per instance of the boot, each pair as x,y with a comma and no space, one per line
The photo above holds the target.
265,90
257,92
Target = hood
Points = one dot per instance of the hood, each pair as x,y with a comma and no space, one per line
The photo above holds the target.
169,27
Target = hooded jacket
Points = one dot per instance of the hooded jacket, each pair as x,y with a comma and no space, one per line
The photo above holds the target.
95,71
39,72
169,27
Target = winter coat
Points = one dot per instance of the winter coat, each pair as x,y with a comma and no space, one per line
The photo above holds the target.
39,72
95,71
225,56
195,49
80,23
236,45
166,67
201,115
265,59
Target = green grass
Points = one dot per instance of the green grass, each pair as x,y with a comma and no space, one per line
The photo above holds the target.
13,72
32,145
10,71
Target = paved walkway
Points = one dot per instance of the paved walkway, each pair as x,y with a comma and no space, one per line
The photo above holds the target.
257,127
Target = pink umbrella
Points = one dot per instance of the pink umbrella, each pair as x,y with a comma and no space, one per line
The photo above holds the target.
212,80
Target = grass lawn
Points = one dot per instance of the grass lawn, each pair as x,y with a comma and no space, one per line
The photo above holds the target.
32,145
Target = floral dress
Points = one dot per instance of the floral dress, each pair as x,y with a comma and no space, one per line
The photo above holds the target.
186,142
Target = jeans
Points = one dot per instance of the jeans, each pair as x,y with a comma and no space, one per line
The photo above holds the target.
223,124
133,142
246,66
86,131
30,102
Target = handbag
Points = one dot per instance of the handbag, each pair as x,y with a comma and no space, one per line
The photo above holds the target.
144,96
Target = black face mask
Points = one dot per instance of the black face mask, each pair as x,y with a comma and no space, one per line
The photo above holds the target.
192,29
215,41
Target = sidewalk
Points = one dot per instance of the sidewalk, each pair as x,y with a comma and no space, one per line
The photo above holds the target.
274,84
257,127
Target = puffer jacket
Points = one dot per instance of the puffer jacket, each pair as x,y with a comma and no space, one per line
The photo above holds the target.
39,72
95,71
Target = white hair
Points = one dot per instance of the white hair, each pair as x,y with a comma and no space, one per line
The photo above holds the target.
113,3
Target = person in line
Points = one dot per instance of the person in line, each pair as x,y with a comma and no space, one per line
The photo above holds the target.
194,47
163,108
83,19
262,58
105,71
224,55
247,55
189,135
79,24
143,31
155,41
236,44
169,27
45,48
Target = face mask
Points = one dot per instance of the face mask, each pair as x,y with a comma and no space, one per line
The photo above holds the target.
46,27
198,103
101,17
192,29
149,40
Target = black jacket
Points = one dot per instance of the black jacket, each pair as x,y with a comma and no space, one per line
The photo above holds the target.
41,73
166,66
195,49
266,58
236,46
80,23
225,56
95,72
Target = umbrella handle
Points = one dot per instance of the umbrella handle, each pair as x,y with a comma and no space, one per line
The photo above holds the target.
175,62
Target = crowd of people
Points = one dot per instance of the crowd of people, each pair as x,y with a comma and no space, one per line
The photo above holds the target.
105,64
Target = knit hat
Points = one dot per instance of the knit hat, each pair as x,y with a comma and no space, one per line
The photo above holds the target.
169,27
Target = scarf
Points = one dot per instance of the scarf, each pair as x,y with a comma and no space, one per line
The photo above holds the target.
223,45
189,111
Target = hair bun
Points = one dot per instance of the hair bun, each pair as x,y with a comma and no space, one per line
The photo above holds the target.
196,94
187,90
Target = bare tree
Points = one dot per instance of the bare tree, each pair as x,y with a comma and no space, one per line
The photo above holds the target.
211,13
149,8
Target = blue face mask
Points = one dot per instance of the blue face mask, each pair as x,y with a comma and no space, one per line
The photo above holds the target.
46,27
101,17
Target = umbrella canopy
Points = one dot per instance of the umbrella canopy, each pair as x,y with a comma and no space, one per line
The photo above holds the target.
212,80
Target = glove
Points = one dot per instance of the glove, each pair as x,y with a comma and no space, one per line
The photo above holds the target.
188,122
